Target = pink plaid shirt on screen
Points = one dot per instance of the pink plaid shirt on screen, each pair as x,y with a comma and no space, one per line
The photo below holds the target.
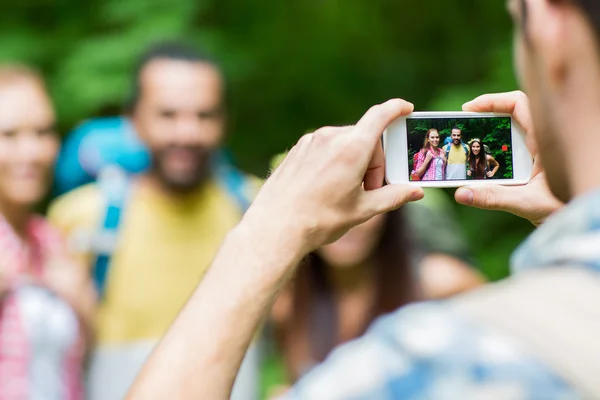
430,172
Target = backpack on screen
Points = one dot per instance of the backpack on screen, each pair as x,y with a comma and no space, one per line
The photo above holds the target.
447,149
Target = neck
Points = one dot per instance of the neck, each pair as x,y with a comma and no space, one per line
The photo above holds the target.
351,279
154,183
16,217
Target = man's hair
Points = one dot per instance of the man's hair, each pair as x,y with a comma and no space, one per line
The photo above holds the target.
455,127
165,51
11,73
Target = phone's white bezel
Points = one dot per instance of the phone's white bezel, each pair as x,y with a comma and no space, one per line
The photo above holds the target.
395,143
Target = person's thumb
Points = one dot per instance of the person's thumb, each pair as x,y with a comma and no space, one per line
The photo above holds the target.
389,198
492,197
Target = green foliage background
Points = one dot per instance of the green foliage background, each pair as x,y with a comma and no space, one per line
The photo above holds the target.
292,66
494,132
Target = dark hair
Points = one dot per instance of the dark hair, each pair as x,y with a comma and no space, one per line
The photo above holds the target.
169,51
477,163
457,128
313,310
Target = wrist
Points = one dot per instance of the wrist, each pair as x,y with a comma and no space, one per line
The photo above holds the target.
270,240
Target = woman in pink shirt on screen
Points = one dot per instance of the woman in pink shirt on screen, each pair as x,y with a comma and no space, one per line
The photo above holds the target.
431,160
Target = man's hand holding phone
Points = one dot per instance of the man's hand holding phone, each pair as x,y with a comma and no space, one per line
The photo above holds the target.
332,180
533,201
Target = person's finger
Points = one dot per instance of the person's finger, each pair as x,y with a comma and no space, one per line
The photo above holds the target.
375,174
378,117
515,103
389,198
491,197
370,128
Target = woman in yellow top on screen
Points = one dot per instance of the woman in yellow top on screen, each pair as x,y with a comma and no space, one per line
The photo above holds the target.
481,164
431,161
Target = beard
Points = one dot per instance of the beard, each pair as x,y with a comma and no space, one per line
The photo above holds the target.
180,179
456,141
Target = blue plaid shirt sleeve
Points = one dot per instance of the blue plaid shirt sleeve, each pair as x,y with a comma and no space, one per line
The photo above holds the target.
429,351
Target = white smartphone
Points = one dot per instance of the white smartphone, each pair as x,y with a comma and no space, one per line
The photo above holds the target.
452,149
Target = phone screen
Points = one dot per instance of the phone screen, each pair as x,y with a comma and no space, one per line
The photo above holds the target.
448,149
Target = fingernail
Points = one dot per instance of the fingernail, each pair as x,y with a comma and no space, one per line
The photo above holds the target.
464,196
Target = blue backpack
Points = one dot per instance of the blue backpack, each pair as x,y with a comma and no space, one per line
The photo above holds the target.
95,144
109,152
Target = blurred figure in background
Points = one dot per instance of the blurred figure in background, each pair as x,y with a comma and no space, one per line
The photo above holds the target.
47,301
407,255
150,239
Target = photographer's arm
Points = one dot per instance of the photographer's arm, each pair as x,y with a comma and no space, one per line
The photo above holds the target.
201,354
533,201
311,199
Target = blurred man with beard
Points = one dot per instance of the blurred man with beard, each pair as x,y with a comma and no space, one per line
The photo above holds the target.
171,220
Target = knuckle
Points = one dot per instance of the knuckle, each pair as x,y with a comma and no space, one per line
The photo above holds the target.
521,96
488,199
305,139
325,130
375,110
325,134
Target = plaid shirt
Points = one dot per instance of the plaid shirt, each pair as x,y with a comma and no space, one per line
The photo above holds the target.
430,172
33,362
431,351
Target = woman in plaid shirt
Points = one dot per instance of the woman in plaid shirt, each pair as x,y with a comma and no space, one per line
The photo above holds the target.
46,301
431,160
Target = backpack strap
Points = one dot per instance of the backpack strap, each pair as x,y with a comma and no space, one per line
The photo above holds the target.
115,186
233,181
465,148
554,312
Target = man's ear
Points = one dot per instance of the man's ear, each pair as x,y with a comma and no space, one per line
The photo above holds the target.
551,38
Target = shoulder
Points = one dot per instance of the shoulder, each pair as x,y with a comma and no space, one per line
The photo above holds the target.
447,147
80,206
425,351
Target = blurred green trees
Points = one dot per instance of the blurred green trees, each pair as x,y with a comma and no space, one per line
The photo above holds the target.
292,65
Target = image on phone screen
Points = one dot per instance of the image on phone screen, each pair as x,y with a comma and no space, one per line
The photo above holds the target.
454,149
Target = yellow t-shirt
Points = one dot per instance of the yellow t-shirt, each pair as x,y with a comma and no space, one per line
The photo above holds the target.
457,155
165,246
